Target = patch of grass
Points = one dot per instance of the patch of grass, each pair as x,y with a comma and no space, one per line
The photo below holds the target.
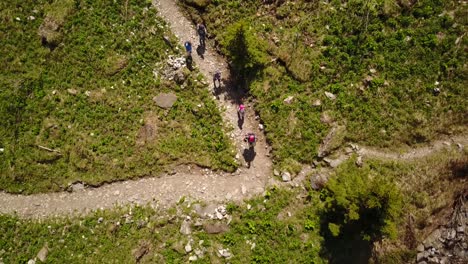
89,99
119,232
381,59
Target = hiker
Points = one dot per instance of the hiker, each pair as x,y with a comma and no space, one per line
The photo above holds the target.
188,48
201,30
241,112
251,139
217,77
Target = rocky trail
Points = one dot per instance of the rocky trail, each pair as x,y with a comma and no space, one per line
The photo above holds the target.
189,181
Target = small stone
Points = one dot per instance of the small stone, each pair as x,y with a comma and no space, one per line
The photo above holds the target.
31,261
372,71
460,229
185,228
330,96
116,193
42,255
317,103
165,100
288,99
193,258
72,91
188,247
420,256
286,176
2,150
249,206
215,228
100,219
359,162
276,172
260,126
420,248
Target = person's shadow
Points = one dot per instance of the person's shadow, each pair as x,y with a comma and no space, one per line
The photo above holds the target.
249,155
201,51
240,120
189,62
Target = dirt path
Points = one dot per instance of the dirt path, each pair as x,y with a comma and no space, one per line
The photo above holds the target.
200,184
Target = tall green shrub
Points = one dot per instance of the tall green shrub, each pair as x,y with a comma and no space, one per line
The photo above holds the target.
246,51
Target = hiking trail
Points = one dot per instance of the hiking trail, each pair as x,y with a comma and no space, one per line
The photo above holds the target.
188,181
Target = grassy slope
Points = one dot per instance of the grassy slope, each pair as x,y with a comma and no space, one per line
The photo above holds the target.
81,240
332,47
107,54
278,237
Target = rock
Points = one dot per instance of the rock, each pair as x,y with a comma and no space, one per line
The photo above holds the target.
276,172
330,96
359,162
2,150
42,255
179,77
215,228
198,209
317,103
286,176
185,228
76,187
318,181
188,247
100,219
141,250
193,258
31,261
420,256
372,71
326,118
165,100
72,91
420,248
225,253
249,206
460,229
288,99
260,126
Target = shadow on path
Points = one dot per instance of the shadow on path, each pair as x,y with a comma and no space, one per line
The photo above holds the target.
249,156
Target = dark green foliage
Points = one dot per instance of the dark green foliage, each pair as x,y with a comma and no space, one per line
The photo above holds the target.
359,209
244,49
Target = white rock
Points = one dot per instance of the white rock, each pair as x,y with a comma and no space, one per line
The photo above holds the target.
372,70
260,126
286,176
2,149
330,96
18,19
249,206
31,261
188,247
288,99
193,258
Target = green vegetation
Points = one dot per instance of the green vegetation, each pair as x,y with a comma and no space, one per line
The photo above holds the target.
122,231
362,205
77,79
381,59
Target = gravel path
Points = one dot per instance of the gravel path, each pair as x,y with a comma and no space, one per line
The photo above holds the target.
200,184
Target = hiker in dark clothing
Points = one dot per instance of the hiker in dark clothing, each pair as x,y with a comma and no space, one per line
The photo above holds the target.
201,30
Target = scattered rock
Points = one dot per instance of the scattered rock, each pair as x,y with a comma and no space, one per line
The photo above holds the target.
260,127
276,172
318,181
286,176
42,255
193,258
359,162
317,103
76,187
100,219
31,261
165,100
188,247
288,99
142,249
420,248
215,228
72,91
179,77
185,228
330,96
225,253
326,118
